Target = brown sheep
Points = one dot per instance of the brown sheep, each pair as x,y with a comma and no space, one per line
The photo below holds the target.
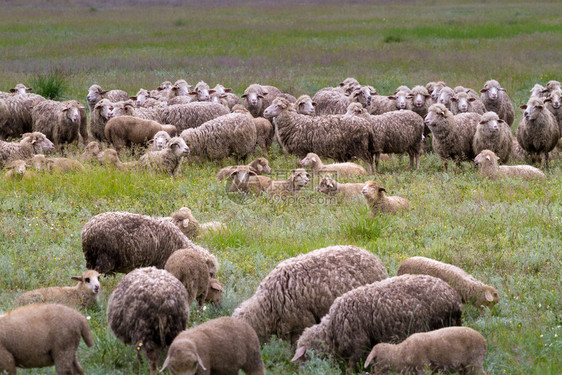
378,202
124,131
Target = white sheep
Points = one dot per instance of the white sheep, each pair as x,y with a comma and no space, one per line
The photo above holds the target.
329,186
201,92
342,169
159,141
167,160
488,162
96,93
305,105
493,134
378,201
226,94
30,144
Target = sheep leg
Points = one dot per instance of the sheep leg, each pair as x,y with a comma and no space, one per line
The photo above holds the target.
64,361
412,157
152,356
377,160
7,362
77,367
546,160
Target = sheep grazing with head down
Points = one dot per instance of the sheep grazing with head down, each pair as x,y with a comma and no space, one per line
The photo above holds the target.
470,289
219,346
378,201
41,335
264,128
167,160
447,350
148,309
122,241
83,294
495,99
488,163
452,135
96,93
538,132
30,144
493,134
342,169
300,290
191,269
384,311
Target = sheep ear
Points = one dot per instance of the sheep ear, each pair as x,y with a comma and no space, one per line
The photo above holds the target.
166,362
299,353
548,100
133,97
307,175
372,355
212,91
193,93
264,93
151,142
523,106
216,285
227,90
471,99
12,90
427,96
502,89
200,361
392,97
539,107
382,189
244,96
314,104
489,296
103,92
29,89
77,278
488,157
483,90
252,173
453,99
501,121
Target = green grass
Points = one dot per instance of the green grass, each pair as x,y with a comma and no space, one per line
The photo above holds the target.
506,233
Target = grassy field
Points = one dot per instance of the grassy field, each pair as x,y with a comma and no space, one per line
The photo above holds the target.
506,233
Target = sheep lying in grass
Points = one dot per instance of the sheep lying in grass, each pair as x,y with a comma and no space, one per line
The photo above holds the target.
219,346
184,219
148,309
91,152
493,134
167,160
329,186
378,202
342,169
297,180
451,349
488,162
29,145
495,99
43,335
84,294
16,169
258,166
58,165
470,289
300,290
384,311
110,158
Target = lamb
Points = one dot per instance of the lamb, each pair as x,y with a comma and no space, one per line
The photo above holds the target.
220,346
264,128
99,118
232,134
329,186
16,169
342,169
495,99
90,152
297,179
470,289
201,92
305,105
110,157
384,311
59,165
378,202
159,141
43,335
30,144
148,309
124,131
299,291
463,102
224,93
258,166
122,241
452,135
421,100
15,114
447,350
338,137
167,160
247,181
185,220
538,132
192,115
59,121
493,134
82,295
488,162
191,269
257,98
553,105
96,93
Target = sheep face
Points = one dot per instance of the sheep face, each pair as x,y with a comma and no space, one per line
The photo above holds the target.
202,92
491,89
436,90
537,90
401,97
490,297
490,124
435,116
214,292
445,95
356,109
39,142
533,108
327,186
379,358
181,88
122,109
418,100
183,358
311,160
141,96
486,157
90,279
72,113
306,106
221,91
95,93
20,89
372,191
160,140
178,146
241,176
18,166
279,105
363,95
299,178
462,101
554,98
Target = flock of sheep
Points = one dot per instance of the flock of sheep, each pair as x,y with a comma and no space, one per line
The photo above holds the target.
336,301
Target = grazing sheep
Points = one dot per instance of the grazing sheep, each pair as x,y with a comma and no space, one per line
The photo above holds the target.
305,105
96,93
343,169
90,152
59,165
110,158
59,121
190,267
43,335
493,134
299,291
214,292
470,289
159,141
297,179
264,128
99,118
30,144
148,309
384,311
125,131
15,114
378,202
167,160
495,99
219,346
421,100
452,135
338,137
226,94
232,134
447,350
553,105
329,186
538,132
191,115
257,98
122,241
82,295
258,166
462,102
488,162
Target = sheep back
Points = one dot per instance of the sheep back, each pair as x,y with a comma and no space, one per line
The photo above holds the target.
192,115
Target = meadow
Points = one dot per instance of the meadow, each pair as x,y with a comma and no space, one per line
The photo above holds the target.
506,233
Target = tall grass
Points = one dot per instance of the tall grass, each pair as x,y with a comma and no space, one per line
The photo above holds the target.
51,85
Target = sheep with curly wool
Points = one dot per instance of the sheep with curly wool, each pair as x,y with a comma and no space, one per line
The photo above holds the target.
226,94
191,269
469,288
59,121
191,115
167,160
300,290
305,105
463,102
264,128
96,93
495,99
30,144
15,114
553,105
257,98
420,100
126,131
493,134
